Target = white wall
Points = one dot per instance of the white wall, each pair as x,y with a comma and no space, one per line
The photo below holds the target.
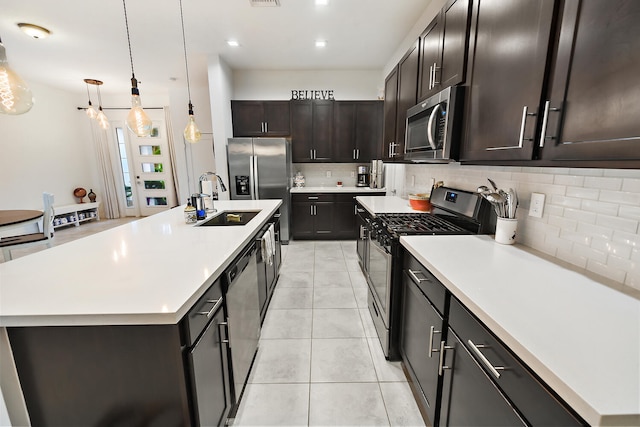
277,85
50,148
220,93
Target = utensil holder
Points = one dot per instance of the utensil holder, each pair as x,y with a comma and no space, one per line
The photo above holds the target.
506,230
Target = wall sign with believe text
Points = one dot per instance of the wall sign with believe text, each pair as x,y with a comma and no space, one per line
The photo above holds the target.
299,95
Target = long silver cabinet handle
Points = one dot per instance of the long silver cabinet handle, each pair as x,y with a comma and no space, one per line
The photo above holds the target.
432,332
415,277
441,365
311,208
523,126
430,77
224,341
216,304
435,70
266,127
545,118
476,350
312,197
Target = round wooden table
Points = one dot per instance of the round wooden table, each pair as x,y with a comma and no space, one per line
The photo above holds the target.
15,222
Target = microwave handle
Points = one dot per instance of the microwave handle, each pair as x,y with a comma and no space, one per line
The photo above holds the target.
430,126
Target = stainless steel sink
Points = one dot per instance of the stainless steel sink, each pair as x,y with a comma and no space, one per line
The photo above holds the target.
230,218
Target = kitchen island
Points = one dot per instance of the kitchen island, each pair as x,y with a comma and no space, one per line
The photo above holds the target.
141,277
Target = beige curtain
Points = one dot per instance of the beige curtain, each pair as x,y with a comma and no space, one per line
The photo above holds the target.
172,152
110,198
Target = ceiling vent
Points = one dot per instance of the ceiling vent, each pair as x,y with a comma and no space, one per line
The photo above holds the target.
265,3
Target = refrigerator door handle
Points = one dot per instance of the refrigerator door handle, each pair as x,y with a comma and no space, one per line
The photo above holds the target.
256,184
252,177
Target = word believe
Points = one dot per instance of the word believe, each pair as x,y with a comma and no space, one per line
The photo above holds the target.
312,94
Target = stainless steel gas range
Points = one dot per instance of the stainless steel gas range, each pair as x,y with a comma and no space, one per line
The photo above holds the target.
454,212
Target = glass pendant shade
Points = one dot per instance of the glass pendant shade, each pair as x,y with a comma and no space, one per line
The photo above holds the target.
15,96
91,112
191,132
137,120
103,122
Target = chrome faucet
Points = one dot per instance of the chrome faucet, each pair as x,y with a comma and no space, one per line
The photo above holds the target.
204,177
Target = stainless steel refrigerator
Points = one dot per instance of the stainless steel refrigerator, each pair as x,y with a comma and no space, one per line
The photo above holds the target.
260,168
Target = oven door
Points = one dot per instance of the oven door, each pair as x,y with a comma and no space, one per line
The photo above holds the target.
379,263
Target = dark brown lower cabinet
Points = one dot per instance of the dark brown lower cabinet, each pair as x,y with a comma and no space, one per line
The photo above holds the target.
128,375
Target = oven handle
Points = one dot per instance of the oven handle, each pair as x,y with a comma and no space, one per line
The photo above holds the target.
430,126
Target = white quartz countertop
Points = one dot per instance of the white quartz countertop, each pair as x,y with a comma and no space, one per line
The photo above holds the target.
149,271
579,335
336,189
385,204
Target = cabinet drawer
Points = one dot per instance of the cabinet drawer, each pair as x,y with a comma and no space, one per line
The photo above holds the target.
428,284
201,312
313,197
534,400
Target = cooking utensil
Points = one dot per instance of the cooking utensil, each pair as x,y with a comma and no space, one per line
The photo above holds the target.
493,184
498,202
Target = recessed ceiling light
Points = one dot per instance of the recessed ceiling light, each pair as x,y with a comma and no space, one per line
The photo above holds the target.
322,2
35,31
233,43
321,43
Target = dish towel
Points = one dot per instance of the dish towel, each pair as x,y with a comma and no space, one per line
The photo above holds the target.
268,245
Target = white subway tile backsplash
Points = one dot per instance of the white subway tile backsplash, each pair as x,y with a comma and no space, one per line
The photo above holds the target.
600,207
617,223
583,193
567,202
591,216
603,183
581,216
623,197
612,248
574,180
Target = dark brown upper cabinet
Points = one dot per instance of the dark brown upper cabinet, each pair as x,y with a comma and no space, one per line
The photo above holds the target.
357,131
593,108
390,112
311,131
508,50
406,97
260,118
443,46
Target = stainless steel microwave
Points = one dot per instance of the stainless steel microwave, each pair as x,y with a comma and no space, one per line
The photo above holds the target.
434,127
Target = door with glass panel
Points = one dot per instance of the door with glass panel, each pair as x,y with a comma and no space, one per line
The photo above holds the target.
147,178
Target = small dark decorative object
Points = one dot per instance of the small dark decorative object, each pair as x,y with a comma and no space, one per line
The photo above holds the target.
92,196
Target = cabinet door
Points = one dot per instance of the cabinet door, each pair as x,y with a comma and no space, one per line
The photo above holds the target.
407,94
345,226
247,118
322,130
301,220
208,360
368,130
469,397
344,131
454,44
509,42
418,317
301,131
430,56
390,113
324,219
594,84
277,118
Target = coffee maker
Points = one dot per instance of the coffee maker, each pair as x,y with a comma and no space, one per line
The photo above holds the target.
363,176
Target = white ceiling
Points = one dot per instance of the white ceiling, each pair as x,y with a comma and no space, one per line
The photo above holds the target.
89,38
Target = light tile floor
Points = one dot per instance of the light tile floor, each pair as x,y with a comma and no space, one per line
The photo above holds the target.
319,362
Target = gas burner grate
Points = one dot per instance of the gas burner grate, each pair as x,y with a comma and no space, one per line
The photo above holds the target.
419,223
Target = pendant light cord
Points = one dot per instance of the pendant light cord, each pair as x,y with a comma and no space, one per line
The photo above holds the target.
126,23
88,95
184,45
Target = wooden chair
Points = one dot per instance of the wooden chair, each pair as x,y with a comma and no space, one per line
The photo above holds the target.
18,242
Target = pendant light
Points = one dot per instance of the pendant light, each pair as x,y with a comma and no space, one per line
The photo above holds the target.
15,95
191,132
91,112
137,120
103,122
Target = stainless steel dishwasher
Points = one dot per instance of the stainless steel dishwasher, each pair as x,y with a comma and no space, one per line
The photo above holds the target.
243,315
